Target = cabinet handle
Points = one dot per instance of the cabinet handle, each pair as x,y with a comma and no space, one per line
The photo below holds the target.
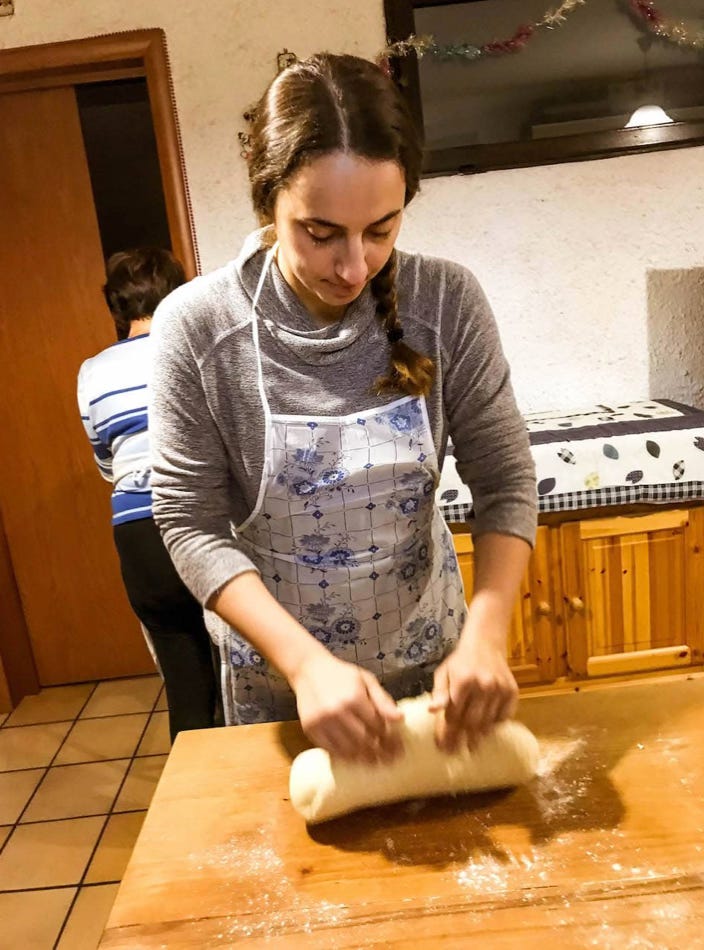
577,604
544,609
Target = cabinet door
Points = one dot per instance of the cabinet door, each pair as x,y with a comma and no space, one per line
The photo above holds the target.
536,643
633,592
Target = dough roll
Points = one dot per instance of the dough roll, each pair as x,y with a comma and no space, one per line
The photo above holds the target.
321,788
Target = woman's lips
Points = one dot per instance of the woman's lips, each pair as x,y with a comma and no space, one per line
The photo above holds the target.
344,289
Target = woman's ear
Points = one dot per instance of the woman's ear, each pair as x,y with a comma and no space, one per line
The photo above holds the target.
269,237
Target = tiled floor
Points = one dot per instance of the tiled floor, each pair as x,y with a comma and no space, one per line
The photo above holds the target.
78,766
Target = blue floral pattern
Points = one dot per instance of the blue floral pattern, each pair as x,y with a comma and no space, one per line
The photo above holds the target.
318,550
243,655
340,628
351,543
405,419
449,556
312,473
422,641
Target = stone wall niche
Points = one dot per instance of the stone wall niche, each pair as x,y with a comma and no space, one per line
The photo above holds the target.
676,335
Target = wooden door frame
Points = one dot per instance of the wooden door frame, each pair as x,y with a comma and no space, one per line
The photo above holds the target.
138,53
127,55
18,672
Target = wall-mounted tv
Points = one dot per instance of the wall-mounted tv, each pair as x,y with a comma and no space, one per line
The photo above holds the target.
565,93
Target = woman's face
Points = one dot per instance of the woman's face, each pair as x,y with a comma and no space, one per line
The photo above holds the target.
336,223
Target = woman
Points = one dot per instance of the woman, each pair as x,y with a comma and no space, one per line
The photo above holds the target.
112,390
304,395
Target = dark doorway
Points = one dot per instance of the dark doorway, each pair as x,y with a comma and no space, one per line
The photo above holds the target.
123,163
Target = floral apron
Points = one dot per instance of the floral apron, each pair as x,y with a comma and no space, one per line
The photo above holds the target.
348,538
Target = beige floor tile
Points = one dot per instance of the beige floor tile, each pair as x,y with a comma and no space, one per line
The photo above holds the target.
15,789
69,791
3,719
93,739
140,783
48,854
53,704
85,926
121,697
4,832
30,747
32,920
115,848
156,739
161,704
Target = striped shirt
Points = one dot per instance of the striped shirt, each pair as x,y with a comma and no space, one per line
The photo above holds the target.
112,399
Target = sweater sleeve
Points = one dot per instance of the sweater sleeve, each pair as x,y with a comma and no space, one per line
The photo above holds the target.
492,449
192,488
101,453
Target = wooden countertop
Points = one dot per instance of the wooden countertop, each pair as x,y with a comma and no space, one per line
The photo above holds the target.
605,848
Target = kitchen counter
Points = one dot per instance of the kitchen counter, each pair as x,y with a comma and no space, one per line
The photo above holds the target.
604,848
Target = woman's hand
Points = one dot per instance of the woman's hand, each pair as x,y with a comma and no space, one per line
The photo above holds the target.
344,709
475,689
474,686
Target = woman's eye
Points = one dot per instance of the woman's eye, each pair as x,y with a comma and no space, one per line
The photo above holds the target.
320,239
379,235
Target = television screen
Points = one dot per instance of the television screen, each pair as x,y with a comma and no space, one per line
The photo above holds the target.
576,90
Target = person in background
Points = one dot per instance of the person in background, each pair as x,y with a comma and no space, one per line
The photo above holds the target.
302,400
112,398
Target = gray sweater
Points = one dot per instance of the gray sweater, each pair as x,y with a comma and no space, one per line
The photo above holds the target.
206,420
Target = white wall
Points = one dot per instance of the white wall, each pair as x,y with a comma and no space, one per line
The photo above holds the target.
564,252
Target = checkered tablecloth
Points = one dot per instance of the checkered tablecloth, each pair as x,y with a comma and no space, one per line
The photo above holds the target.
650,451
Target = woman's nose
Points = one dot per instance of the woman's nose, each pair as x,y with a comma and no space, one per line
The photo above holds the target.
352,264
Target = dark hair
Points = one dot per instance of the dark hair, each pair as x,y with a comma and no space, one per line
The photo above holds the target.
334,103
137,281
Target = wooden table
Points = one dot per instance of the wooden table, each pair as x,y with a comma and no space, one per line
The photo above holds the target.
605,848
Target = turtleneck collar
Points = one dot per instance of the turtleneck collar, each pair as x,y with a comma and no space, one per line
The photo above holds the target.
282,315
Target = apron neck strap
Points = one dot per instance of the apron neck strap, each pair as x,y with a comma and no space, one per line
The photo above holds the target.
262,277
257,353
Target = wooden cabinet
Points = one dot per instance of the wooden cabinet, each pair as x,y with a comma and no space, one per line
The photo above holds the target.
633,592
536,639
607,595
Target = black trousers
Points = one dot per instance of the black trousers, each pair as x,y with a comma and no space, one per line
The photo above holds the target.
174,620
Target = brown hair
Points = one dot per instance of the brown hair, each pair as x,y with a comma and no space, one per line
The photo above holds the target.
334,103
137,281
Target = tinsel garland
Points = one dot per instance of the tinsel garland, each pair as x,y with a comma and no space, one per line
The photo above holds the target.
426,45
674,31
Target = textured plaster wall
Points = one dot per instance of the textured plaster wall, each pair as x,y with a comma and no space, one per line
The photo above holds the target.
565,253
